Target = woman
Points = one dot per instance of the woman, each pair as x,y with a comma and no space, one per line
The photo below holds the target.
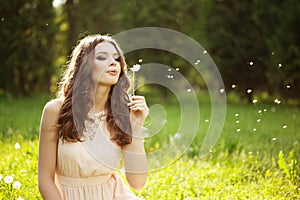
83,131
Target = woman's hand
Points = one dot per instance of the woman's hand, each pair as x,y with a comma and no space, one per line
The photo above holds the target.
138,111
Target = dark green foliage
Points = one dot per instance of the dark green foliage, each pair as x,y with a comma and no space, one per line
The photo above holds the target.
254,43
27,39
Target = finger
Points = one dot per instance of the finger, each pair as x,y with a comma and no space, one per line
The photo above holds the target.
136,97
142,105
142,109
136,102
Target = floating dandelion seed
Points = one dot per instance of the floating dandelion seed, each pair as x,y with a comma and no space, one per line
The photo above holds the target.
254,101
2,19
238,130
254,129
17,185
288,86
169,70
272,53
265,110
20,198
260,111
284,126
197,62
237,121
177,69
233,86
279,65
236,114
189,90
169,76
277,101
250,152
251,63
274,139
259,120
204,52
222,90
17,146
249,91
207,120
140,60
8,179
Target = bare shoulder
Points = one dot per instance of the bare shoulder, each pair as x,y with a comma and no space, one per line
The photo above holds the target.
53,106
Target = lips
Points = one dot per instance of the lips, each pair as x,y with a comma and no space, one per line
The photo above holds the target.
112,71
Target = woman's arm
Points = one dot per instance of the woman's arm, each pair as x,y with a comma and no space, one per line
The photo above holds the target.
48,150
136,166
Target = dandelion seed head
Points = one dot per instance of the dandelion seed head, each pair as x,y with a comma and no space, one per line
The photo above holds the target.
17,146
8,179
177,136
135,68
17,185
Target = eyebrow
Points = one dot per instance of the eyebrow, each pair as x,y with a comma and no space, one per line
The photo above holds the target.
103,52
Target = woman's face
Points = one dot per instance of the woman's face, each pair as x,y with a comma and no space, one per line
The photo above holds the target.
107,67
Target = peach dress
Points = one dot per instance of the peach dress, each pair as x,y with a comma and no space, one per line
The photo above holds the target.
86,170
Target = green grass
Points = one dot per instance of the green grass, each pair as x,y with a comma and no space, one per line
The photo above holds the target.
245,164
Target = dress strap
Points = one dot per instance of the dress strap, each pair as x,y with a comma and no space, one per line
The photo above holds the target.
81,182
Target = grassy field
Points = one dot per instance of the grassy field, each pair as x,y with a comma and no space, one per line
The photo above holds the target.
256,157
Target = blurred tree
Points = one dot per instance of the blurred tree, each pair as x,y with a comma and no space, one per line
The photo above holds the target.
280,25
90,17
26,52
236,44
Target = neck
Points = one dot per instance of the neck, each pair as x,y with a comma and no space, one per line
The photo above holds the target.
101,96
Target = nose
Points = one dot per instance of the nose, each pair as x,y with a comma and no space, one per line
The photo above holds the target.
113,62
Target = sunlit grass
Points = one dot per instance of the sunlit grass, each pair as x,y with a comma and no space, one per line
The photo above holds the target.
256,157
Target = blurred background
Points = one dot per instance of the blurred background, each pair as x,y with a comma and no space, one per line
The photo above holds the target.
255,44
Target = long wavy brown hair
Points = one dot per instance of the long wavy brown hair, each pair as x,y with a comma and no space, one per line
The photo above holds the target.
78,88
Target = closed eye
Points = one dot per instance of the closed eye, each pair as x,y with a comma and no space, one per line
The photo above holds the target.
100,58
118,59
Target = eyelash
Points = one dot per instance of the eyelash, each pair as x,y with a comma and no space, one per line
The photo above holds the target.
103,58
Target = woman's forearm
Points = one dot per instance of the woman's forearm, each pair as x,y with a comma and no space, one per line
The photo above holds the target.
135,161
49,191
